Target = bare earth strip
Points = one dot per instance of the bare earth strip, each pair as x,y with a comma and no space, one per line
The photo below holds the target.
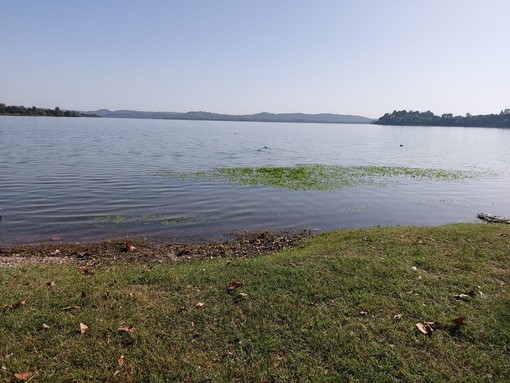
146,251
17,260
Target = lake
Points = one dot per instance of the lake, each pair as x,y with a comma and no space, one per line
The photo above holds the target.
85,179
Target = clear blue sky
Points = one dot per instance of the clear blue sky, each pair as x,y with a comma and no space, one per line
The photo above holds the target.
363,57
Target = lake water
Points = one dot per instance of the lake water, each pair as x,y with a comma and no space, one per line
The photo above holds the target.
84,179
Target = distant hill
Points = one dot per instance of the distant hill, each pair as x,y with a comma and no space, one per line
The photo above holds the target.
259,117
414,118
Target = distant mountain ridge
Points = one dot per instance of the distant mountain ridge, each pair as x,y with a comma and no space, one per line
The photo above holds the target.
327,118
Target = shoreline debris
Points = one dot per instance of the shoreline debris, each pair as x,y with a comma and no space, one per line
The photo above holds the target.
492,218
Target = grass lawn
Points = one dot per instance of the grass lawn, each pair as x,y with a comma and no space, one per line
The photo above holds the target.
340,306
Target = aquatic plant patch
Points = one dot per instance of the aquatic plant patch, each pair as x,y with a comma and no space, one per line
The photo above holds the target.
319,177
146,219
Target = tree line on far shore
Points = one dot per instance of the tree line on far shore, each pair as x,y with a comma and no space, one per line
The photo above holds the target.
14,110
413,118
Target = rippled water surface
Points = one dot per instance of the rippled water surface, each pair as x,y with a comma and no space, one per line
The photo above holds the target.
86,179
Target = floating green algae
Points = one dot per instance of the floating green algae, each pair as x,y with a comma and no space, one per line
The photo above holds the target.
319,177
146,219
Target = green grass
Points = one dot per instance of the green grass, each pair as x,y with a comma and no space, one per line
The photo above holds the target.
321,312
319,177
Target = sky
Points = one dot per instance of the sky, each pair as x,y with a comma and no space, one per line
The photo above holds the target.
362,57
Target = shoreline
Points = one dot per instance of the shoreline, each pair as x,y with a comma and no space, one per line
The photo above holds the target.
243,244
158,249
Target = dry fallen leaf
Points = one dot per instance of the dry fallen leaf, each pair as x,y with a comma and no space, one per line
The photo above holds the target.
423,328
233,285
22,375
199,304
244,295
51,284
15,305
120,360
463,297
117,372
83,328
19,303
45,326
69,308
397,316
459,321
426,328
128,247
127,329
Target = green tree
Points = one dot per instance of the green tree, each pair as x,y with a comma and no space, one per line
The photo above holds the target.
58,112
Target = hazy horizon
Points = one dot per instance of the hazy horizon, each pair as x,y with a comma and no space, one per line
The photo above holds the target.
362,58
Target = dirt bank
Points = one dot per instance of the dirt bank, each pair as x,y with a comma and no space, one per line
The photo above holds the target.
121,250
